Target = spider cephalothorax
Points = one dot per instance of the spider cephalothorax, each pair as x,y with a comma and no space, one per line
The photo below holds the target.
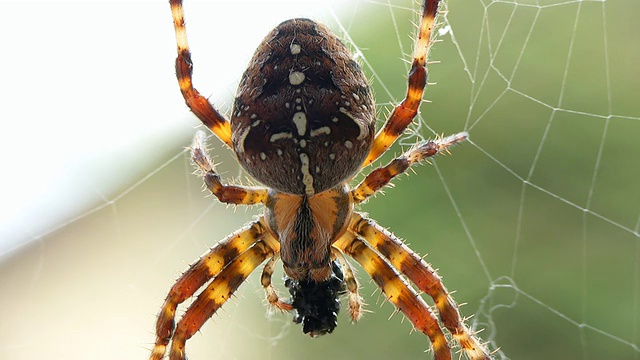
303,125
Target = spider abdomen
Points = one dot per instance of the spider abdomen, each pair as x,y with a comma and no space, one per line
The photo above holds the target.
304,117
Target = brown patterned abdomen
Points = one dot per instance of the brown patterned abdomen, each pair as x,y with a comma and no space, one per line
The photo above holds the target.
304,117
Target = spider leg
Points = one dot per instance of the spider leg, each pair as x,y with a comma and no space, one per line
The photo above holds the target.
237,195
265,279
396,289
381,176
403,114
425,278
355,301
199,273
198,104
218,292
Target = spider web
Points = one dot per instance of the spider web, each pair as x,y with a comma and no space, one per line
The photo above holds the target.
534,222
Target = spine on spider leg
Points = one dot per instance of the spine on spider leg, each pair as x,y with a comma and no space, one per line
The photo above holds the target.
429,12
418,72
199,273
381,177
216,294
429,148
397,291
420,273
405,112
198,104
230,194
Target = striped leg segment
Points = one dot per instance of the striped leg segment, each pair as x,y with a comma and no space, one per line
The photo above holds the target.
355,301
198,274
272,294
380,177
425,278
397,291
403,114
198,104
216,294
230,194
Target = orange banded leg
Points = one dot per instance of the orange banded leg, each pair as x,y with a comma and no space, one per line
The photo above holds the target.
230,194
380,177
355,301
403,114
272,294
401,294
424,277
216,294
199,273
198,104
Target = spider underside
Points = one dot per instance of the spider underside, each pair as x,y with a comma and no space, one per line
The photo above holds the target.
303,124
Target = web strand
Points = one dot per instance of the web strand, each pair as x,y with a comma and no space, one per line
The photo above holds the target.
535,220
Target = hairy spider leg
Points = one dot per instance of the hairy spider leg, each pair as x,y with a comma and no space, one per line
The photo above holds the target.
272,294
425,278
230,194
403,114
355,301
218,292
381,176
198,274
397,291
198,104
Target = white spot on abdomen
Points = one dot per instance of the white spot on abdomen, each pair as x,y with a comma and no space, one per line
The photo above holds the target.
242,137
296,78
295,49
307,178
280,136
320,131
300,121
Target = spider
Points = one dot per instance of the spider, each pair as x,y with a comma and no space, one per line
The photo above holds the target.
303,124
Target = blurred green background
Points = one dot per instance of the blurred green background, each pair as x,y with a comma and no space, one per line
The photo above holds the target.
534,222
